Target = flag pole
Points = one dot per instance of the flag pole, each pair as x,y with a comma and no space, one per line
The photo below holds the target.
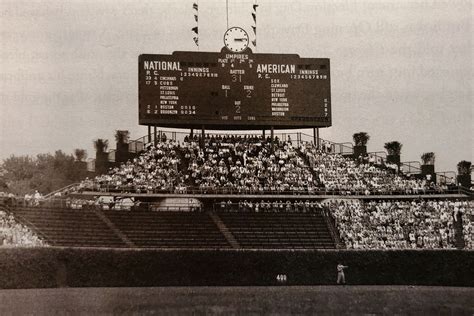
196,28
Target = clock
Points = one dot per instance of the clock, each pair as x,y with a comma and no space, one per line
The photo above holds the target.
236,39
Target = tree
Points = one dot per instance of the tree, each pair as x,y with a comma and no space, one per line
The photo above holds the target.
122,137
101,155
464,174
18,167
101,145
393,148
428,158
121,153
80,154
45,173
361,138
464,167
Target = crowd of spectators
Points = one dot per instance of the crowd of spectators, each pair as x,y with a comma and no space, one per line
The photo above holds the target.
15,234
400,224
347,176
10,199
268,206
155,170
246,165
467,215
33,199
252,164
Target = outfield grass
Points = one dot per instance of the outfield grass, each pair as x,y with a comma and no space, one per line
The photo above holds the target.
306,300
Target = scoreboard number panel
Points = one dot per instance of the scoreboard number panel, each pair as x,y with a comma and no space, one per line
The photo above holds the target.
233,90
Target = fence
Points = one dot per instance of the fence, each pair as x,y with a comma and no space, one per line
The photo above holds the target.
269,192
73,267
410,167
104,203
91,165
295,137
267,206
446,178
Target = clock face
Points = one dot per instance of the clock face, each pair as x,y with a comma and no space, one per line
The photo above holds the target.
236,39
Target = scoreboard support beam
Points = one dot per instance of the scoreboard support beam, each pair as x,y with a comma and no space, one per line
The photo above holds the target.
203,134
263,134
271,138
191,133
316,137
149,134
154,135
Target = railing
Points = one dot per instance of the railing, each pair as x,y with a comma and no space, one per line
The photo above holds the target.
51,194
91,165
295,137
192,205
446,177
111,155
266,192
466,191
136,146
344,148
379,157
117,204
410,167
331,223
263,206
328,146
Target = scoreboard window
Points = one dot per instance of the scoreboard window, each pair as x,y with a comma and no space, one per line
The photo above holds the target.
234,90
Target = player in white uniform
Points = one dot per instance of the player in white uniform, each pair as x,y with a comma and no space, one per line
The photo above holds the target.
341,278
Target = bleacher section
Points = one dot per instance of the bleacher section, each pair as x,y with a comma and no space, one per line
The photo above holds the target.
237,174
166,229
278,230
254,165
68,227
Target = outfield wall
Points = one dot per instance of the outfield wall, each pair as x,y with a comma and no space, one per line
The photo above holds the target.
74,267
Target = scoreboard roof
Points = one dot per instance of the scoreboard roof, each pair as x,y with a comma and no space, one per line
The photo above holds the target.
233,90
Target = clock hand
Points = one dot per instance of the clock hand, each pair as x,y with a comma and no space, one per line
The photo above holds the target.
240,39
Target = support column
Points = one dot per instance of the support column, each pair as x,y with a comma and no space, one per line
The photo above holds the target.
271,138
203,134
154,135
263,134
316,137
149,134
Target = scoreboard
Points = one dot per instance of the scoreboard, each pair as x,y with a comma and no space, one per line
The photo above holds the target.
233,90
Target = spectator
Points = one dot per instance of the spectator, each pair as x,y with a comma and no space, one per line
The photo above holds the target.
396,224
15,234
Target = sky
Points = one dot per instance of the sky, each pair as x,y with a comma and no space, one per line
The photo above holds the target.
400,70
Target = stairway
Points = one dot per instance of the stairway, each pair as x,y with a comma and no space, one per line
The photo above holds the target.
458,232
306,162
224,230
